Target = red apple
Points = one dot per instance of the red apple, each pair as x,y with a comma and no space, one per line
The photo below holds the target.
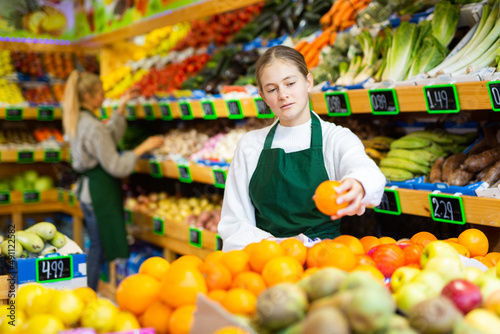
388,258
464,294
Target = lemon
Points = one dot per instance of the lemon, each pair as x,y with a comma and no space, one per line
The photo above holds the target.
44,324
42,302
85,294
99,314
125,321
66,306
14,324
27,294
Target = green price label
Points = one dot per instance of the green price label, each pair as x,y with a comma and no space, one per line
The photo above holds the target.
235,110
219,178
149,113
390,203
25,156
155,169
46,113
103,112
195,237
447,208
441,99
54,269
186,111
128,216
337,104
218,242
31,196
208,110
158,225
494,93
383,101
60,195
4,197
52,156
263,110
71,199
131,113
185,174
14,114
166,112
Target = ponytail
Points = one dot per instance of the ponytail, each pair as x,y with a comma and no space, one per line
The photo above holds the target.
71,106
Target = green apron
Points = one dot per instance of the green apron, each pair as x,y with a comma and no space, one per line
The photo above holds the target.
282,187
107,201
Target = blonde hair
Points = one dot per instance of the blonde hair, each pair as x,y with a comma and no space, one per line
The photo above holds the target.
77,85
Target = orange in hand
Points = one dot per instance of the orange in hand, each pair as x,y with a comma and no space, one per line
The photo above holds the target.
325,198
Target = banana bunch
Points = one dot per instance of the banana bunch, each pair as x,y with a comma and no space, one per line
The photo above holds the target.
41,239
413,154
175,35
377,147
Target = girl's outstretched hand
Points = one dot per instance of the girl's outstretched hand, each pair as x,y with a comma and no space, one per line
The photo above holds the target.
353,196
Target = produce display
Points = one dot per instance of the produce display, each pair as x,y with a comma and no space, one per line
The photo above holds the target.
10,93
28,180
42,137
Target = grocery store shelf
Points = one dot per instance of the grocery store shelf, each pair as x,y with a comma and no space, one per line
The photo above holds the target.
44,47
38,155
30,113
195,11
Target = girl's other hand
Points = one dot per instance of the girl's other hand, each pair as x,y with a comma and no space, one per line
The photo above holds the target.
149,144
353,196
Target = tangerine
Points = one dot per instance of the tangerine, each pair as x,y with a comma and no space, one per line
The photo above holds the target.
461,249
352,242
295,248
423,238
387,240
181,285
188,260
493,257
155,267
263,252
364,260
217,295
181,320
487,262
369,242
136,292
326,196
250,281
217,276
237,261
240,301
331,254
248,248
214,257
282,269
157,315
475,241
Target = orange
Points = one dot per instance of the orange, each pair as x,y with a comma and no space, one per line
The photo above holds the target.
369,242
352,242
331,254
295,249
188,260
263,252
475,241
231,330
487,262
155,267
282,269
181,320
387,240
370,269
250,281
214,257
423,238
240,301
248,248
85,294
452,239
236,261
217,295
364,260
157,315
217,276
136,292
493,257
310,271
181,285
461,249
413,254
326,196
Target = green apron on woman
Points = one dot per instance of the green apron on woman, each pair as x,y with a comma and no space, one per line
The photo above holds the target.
282,187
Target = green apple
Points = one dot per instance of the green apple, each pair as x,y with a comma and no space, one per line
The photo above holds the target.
449,267
432,279
401,276
491,272
411,294
435,249
472,273
484,320
487,284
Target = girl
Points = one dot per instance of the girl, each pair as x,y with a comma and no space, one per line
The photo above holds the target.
276,170
95,155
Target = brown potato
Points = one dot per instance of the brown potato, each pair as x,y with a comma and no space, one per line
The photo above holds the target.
436,171
460,177
493,174
451,164
477,162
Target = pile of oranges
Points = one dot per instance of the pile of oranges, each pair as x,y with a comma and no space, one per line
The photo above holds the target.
163,295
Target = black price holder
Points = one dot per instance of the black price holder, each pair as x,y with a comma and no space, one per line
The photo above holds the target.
103,112
235,110
185,174
158,225
71,199
53,269
14,114
186,111
166,112
219,178
447,208
25,157
4,197
441,99
128,216
263,110
60,195
31,196
149,113
208,108
195,237
384,101
337,104
45,113
52,156
390,203
494,92
131,112
155,169
218,243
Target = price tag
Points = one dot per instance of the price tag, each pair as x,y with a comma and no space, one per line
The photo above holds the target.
383,101
186,112
131,113
14,114
218,242
235,110
53,269
219,178
149,113
208,110
52,156
494,92
263,110
25,156
104,113
166,112
155,169
447,208
195,237
158,225
31,196
185,174
60,194
441,99
71,199
4,197
390,203
45,113
128,216
337,104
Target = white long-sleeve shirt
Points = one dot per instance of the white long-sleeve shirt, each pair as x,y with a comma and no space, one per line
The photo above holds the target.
344,156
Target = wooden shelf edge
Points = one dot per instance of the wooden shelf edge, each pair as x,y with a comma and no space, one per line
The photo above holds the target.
11,156
31,113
